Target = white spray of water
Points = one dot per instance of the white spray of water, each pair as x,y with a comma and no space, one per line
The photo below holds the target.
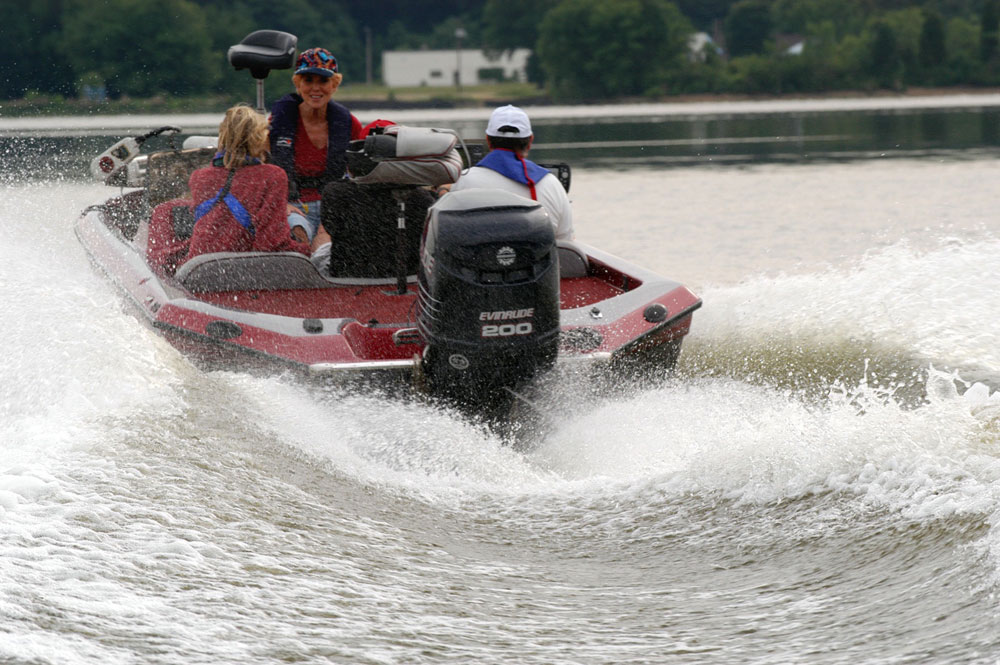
938,304
744,442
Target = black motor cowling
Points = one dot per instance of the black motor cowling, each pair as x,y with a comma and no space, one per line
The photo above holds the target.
488,307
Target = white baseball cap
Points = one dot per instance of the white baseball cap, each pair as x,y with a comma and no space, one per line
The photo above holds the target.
509,121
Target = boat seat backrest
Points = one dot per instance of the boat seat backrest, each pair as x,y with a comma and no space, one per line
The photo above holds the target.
274,271
572,260
168,172
250,271
362,221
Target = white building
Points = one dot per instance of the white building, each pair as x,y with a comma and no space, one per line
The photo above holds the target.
403,69
699,43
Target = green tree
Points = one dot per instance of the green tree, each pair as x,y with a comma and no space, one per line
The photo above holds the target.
932,48
852,61
443,36
748,27
884,63
399,38
140,48
28,41
906,27
704,13
818,58
231,22
962,47
755,74
593,49
418,16
511,24
989,35
795,16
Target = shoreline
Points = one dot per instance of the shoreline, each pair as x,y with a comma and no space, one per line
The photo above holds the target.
619,110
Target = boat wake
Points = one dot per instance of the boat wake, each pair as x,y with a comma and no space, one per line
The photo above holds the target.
887,322
878,393
885,334
830,438
890,365
892,360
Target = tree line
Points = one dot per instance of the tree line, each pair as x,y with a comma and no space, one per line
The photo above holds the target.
583,49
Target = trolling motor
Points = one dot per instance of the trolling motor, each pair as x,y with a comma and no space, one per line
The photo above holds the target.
260,52
110,167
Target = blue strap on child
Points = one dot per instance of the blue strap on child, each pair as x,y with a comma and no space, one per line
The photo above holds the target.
234,205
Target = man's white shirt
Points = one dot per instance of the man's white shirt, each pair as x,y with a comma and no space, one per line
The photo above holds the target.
549,191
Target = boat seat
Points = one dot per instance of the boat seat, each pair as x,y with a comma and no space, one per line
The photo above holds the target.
362,221
250,271
168,172
572,260
275,271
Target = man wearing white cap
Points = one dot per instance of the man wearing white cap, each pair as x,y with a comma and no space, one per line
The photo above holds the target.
506,167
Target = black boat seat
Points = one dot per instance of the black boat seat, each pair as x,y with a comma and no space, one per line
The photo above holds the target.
572,260
264,50
262,271
275,271
249,271
362,221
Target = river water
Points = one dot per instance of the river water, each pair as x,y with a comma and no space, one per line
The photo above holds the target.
820,483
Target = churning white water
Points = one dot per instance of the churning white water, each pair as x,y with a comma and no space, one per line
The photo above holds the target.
819,483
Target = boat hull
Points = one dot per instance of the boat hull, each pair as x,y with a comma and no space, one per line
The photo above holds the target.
615,316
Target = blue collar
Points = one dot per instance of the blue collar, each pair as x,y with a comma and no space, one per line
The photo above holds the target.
248,161
508,164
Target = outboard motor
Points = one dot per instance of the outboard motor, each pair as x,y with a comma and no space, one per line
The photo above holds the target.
488,307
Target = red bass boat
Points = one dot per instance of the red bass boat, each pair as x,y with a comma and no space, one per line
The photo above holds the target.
483,304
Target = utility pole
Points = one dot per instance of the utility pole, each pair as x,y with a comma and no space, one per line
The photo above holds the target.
368,55
460,34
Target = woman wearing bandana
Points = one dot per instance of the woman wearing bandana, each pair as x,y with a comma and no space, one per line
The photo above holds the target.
309,137
506,167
